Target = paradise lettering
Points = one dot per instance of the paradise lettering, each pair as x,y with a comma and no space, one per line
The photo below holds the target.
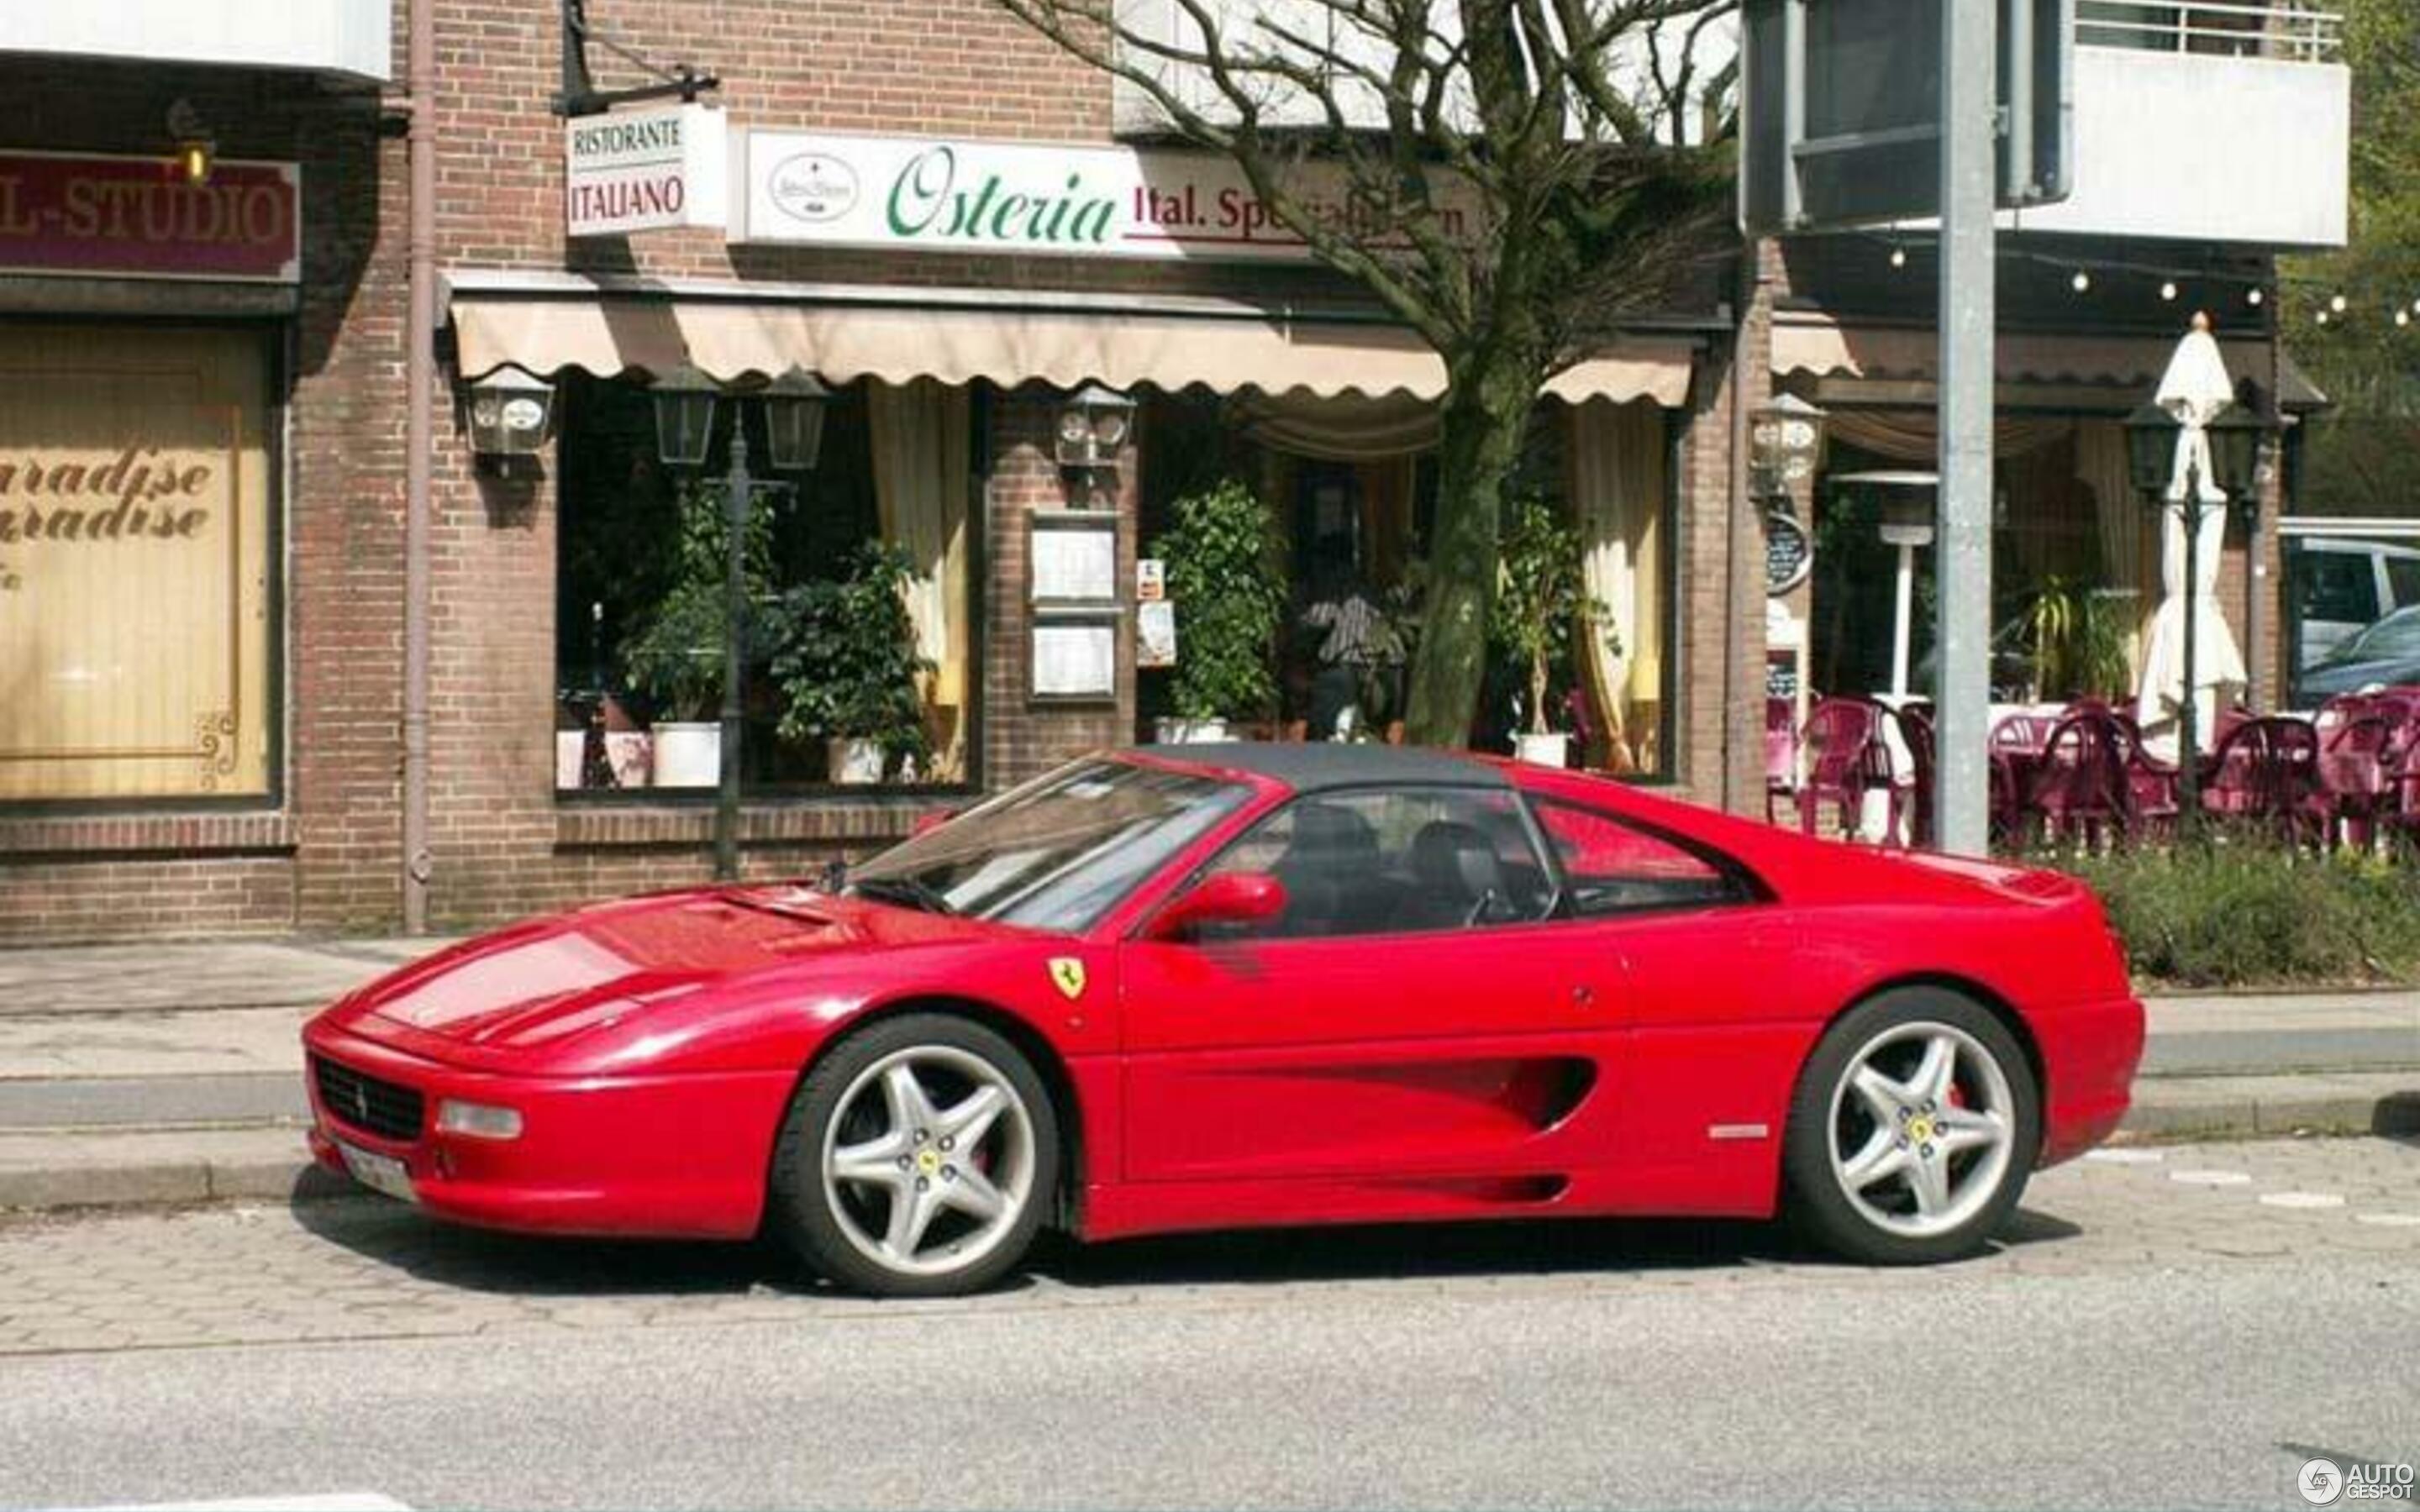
925,198
145,498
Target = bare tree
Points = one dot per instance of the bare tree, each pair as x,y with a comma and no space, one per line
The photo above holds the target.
1507,195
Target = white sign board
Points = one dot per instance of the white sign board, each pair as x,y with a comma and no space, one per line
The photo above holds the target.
1077,659
646,170
1074,563
921,193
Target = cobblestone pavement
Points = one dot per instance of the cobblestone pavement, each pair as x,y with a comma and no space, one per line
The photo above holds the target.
366,1268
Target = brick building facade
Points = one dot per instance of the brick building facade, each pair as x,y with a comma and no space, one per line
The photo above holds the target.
318,847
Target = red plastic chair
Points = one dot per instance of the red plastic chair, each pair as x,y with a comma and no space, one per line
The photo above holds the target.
2266,773
2081,789
1780,753
1915,731
1844,762
2361,741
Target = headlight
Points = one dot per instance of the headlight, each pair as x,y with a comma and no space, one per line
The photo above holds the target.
478,1120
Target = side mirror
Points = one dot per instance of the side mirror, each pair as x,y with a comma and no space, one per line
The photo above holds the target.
1228,898
931,820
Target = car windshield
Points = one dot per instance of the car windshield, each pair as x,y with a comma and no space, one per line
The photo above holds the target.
1057,853
2394,637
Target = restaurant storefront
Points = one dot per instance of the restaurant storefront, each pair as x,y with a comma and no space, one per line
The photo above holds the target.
205,497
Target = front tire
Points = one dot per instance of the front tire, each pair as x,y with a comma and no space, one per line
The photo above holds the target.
1913,1130
918,1158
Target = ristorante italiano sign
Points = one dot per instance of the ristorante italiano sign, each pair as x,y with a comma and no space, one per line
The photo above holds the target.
646,170
906,193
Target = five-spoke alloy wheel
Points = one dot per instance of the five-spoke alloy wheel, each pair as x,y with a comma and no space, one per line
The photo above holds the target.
918,1158
1914,1129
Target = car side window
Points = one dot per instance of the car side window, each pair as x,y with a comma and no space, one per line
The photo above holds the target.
1396,860
1613,867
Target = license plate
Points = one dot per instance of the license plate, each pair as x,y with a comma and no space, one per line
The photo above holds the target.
379,1173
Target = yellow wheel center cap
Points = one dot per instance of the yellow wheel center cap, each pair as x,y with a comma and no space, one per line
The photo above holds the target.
1920,1129
928,1161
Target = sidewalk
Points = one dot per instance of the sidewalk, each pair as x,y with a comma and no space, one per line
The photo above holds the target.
173,1073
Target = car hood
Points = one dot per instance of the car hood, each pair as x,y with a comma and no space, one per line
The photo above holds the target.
2329,678
543,983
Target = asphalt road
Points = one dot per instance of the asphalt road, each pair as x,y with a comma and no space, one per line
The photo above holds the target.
2179,1329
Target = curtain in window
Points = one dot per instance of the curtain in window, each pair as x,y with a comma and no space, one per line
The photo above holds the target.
1617,473
2118,516
921,436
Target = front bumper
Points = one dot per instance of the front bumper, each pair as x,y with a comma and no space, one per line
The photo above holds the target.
661,1156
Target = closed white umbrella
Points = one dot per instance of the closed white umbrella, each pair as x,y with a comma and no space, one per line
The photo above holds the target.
2194,389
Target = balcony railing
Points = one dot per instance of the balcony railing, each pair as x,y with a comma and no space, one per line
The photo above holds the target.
2285,30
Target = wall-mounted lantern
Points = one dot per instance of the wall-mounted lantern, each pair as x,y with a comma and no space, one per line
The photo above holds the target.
511,413
1785,444
1094,427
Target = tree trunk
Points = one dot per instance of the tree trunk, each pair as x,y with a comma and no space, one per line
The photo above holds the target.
1479,443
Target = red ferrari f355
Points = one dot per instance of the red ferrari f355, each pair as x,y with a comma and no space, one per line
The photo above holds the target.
1216,986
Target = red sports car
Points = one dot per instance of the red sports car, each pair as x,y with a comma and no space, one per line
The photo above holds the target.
1213,986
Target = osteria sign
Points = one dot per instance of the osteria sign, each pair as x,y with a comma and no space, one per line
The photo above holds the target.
922,193
647,170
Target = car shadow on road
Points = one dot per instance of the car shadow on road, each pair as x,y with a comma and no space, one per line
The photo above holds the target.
392,1235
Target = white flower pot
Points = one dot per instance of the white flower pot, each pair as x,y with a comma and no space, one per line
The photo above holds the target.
627,752
1190,731
688,755
1553,749
854,760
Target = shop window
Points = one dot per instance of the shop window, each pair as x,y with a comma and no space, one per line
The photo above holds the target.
137,565
1352,481
858,605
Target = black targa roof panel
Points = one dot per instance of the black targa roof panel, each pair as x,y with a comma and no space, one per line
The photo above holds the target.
1311,766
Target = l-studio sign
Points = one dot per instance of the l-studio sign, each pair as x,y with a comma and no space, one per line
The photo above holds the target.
647,170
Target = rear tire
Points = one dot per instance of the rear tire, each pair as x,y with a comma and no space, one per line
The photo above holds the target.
1913,1130
918,1158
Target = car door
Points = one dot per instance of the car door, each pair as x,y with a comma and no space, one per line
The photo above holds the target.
1694,1098
1408,1012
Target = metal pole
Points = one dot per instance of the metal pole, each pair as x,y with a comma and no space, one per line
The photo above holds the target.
419,433
735,648
2189,718
1969,88
1903,596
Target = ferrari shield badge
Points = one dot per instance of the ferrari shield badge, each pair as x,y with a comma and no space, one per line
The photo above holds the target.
1068,975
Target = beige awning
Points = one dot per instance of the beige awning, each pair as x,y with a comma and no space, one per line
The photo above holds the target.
733,338
1825,349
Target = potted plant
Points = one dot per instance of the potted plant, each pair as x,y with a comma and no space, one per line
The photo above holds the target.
2079,645
677,657
676,660
1228,580
846,665
1541,593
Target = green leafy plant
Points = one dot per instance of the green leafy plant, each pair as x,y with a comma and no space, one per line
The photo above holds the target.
1540,597
2238,912
676,655
846,657
2079,643
1229,583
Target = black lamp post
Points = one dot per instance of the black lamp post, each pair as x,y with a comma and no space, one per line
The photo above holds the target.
686,400
2234,436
